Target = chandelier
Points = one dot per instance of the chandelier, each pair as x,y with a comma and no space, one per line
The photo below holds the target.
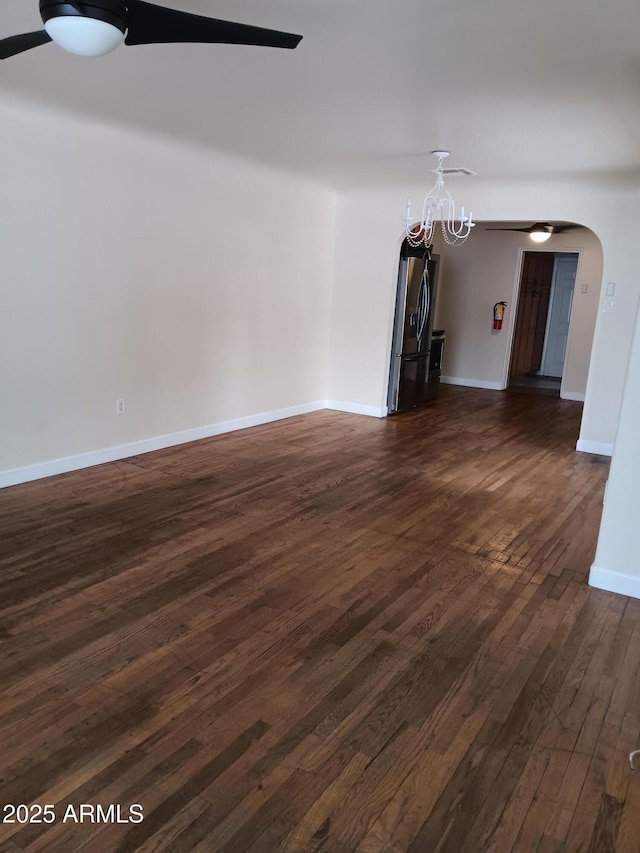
438,205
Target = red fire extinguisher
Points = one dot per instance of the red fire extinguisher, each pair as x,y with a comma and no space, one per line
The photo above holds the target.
498,314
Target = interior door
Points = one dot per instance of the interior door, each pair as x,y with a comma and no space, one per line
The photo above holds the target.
531,320
562,290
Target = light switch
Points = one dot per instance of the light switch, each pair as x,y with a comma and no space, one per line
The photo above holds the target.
611,288
607,308
584,288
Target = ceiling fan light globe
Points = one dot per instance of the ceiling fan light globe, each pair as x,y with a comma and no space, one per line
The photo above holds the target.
540,236
84,36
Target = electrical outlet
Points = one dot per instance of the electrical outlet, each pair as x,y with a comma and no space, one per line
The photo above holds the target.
121,406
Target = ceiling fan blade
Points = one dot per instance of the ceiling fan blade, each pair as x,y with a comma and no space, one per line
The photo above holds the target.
151,24
18,44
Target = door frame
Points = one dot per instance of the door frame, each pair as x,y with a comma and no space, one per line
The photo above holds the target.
516,298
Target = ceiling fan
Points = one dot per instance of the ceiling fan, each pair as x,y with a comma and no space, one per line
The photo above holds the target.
96,27
539,231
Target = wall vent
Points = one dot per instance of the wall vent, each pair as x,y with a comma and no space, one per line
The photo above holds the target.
459,171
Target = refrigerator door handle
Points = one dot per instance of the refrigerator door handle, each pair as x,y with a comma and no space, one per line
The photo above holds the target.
428,311
423,305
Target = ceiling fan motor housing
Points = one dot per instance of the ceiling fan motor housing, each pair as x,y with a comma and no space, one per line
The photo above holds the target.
112,12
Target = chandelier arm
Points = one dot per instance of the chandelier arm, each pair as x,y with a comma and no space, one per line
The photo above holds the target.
451,211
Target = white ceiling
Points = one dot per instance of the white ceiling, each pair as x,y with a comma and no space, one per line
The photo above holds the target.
511,88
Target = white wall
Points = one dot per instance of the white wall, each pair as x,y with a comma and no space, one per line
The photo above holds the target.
368,237
196,285
486,270
617,561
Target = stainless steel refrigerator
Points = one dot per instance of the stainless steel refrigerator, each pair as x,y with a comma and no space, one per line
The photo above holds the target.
409,383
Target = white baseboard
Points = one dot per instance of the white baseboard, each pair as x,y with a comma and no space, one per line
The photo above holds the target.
572,395
472,383
612,581
27,473
599,447
356,408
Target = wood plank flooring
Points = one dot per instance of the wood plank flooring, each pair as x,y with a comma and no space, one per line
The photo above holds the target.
332,633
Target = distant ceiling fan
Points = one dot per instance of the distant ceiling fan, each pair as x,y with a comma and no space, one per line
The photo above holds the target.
539,231
96,27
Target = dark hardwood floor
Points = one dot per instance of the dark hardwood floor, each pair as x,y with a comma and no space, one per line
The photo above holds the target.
332,633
